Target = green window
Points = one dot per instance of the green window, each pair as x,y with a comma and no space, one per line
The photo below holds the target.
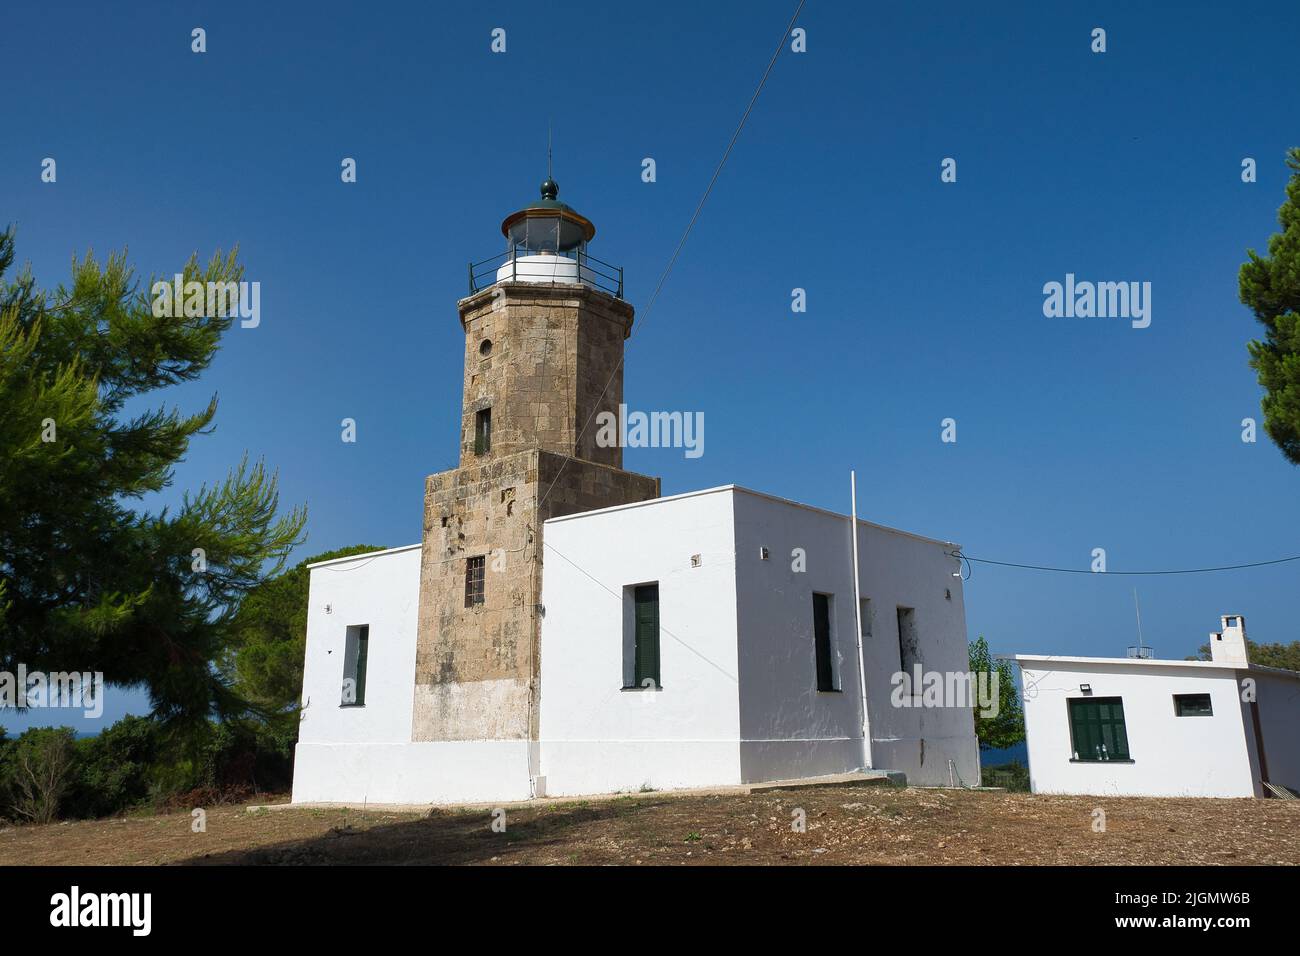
356,650
483,431
822,640
1097,728
646,622
1193,705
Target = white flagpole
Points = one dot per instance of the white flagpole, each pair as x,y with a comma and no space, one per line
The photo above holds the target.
857,616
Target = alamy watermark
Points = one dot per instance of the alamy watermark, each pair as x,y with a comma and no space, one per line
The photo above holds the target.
194,299
54,689
1102,300
928,689
133,911
651,430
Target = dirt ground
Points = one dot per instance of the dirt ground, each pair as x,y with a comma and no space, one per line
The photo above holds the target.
859,825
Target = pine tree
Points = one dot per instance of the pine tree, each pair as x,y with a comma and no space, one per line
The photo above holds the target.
1270,286
89,581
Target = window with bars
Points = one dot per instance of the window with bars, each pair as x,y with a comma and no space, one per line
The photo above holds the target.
474,568
1097,728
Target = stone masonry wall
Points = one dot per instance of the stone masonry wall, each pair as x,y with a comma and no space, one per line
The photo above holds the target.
554,361
476,667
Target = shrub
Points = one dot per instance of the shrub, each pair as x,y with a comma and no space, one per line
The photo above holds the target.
114,768
39,767
1011,776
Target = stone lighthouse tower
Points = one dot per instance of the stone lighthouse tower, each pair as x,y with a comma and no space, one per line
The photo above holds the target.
544,326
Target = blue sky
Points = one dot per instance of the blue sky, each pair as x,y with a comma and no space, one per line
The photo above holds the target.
924,298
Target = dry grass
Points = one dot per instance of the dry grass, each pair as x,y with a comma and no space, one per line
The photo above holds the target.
872,825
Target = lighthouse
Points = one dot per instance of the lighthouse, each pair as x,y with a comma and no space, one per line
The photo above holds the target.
544,324
562,629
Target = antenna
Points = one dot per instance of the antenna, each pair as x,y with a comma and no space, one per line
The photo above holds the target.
1138,610
1141,651
548,149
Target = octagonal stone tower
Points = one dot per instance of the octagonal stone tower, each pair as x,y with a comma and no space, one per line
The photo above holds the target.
544,327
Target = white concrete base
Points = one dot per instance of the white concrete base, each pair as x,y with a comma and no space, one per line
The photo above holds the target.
925,760
411,773
579,767
765,760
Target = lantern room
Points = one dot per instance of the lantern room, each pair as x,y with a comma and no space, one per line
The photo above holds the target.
546,242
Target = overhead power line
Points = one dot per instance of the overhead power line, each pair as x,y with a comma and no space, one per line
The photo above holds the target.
672,260
1039,567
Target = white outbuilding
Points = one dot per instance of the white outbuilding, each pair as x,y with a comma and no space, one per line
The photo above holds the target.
1138,726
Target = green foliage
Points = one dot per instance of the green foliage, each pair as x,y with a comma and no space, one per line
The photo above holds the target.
87,580
1286,656
114,767
270,634
142,762
1270,286
1010,776
1007,727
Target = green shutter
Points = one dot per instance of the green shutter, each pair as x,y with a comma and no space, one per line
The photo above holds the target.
822,640
1097,728
646,599
363,650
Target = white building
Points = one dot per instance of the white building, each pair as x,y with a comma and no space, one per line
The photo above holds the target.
1162,728
732,693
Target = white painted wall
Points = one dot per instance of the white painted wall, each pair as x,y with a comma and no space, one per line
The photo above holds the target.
595,736
790,728
380,589
1172,756
903,570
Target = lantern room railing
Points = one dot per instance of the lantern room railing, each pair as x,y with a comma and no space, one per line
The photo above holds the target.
587,270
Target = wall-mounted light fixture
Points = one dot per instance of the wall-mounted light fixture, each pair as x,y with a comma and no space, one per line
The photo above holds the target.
1086,688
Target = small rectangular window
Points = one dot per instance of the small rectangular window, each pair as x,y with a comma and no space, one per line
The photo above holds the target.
483,431
1193,705
474,568
645,637
822,642
1097,728
356,651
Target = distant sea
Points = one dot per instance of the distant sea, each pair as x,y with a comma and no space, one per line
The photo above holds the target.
1017,754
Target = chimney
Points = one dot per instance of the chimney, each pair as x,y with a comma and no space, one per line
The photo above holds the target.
1229,645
